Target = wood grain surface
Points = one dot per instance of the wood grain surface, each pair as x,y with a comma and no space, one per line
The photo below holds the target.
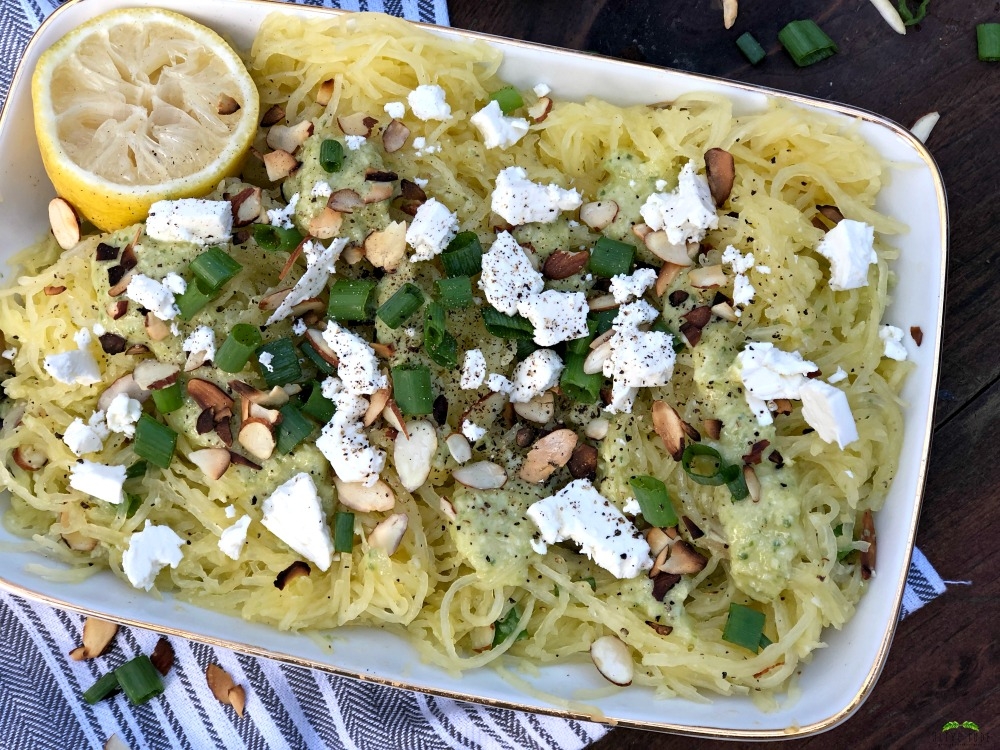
943,664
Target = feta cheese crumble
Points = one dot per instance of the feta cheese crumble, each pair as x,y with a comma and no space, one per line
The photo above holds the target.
395,110
580,513
432,228
892,339
518,200
195,220
172,281
123,412
850,248
86,437
359,367
343,440
542,89
265,360
294,514
321,189
282,217
508,277
557,316
637,358
148,552
473,370
826,410
76,367
535,374
354,142
769,373
838,376
498,383
472,431
686,213
497,129
320,263
625,288
153,295
201,339
428,102
98,480
234,538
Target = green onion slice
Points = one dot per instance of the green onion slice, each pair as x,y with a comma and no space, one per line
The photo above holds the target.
592,582
343,531
463,256
105,687
292,429
352,300
193,300
168,399
439,344
318,406
455,292
270,237
806,42
654,501
213,268
283,367
611,257
503,627
509,99
133,503
507,326
154,441
603,319
411,387
750,48
577,385
401,305
744,627
988,39
239,345
314,356
136,470
331,155
912,17
736,483
139,680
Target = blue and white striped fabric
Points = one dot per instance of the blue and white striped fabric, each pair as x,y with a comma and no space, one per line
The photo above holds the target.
287,707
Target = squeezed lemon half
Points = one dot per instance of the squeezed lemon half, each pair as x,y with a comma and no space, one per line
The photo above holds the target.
140,105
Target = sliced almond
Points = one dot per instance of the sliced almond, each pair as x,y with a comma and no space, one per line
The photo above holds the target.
603,302
356,496
213,462
117,308
562,264
315,337
279,164
662,583
246,206
224,689
297,569
413,452
289,137
274,115
386,248
720,170
657,540
393,416
227,105
659,628
783,406
379,191
660,245
613,660
641,230
753,483
76,539
153,375
583,462
97,634
548,454
115,742
713,428
273,299
257,437
832,213
539,410
868,535
162,656
706,277
53,290
684,559
124,384
383,351
156,329
481,638
598,214
458,446
345,201
326,224
594,362
481,475
119,287
597,429
540,109
725,311
388,535
256,411
394,137
376,404
325,92
357,124
666,276
65,223
112,343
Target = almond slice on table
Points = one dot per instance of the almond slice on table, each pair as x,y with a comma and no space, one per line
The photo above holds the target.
162,656
613,660
225,690
97,634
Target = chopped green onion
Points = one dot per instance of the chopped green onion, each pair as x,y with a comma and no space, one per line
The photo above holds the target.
235,351
168,399
503,627
611,257
133,503
193,300
524,347
988,38
838,533
592,582
331,155
750,48
136,470
577,385
104,687
445,353
318,406
654,501
411,387
314,356
507,326
283,367
744,627
292,429
910,17
401,305
352,300
343,531
604,319
736,483
580,345
463,256
213,268
139,680
806,42
154,441
455,292
699,459
440,345
765,641
270,237
509,99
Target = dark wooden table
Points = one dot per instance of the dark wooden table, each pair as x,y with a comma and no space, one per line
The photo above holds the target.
943,664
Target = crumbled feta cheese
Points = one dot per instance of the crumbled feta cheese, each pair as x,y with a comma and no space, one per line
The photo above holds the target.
556,316
148,552
265,360
343,440
321,189
743,291
98,480
838,376
123,412
232,540
769,373
763,269
294,514
826,410
230,511
498,130
202,222
661,185
395,110
637,359
518,200
580,513
498,383
892,338
850,248
419,142
432,228
739,262
421,182
542,89
686,213
299,327
354,142
86,437
359,366
320,263
473,370
428,103
201,339
153,295
472,431
9,353
508,277
77,367
172,281
535,374
626,288
282,217
632,507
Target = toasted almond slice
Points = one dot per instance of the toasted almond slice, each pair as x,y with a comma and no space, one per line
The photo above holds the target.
641,230
29,458
868,535
227,105
413,452
220,683
124,384
297,569
713,428
257,437
603,302
76,539
272,299
388,535
922,128
783,406
212,461
657,540
326,224
725,311
273,116
832,213
152,375
162,656
246,205
53,290
376,404
684,559
660,245
238,699
379,191
356,496
289,137
209,396
345,201
325,92
64,222
393,416
271,399
118,288
394,137
658,563
659,628
753,483
481,475
539,410
598,214
156,329
562,264
386,248
357,124
195,360
117,308
594,362
720,170
458,446
383,351
97,634
279,164
315,337
613,660
668,272
670,427
481,638
583,462
706,277
256,411
115,743
540,109
548,454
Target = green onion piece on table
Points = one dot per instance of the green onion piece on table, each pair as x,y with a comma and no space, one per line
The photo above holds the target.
454,292
750,48
314,356
744,627
270,237
343,532
168,399
283,367
238,347
193,300
105,687
463,256
509,99
331,155
654,501
577,385
806,42
352,300
213,268
139,680
507,326
292,429
318,406
411,388
401,305
912,17
988,39
154,441
503,627
611,257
